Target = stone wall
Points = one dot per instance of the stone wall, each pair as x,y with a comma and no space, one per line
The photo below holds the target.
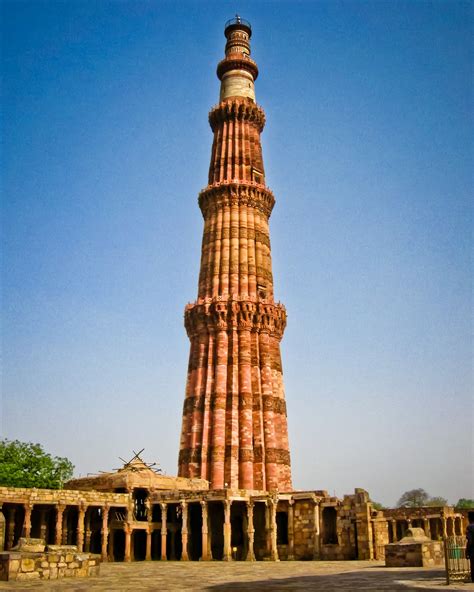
62,496
49,565
305,531
414,550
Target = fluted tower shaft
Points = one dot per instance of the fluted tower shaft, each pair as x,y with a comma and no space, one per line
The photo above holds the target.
234,430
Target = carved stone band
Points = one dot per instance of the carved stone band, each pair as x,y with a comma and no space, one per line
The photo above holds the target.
239,109
224,315
220,195
277,455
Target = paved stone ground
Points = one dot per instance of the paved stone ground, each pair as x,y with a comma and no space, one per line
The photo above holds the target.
288,576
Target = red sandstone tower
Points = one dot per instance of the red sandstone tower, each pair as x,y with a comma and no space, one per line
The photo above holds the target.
234,431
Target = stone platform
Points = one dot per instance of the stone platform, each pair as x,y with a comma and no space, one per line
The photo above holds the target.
295,576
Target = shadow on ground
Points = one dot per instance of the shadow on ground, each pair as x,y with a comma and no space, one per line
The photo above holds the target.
374,580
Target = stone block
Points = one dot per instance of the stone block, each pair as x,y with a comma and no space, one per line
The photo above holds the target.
27,565
61,548
30,575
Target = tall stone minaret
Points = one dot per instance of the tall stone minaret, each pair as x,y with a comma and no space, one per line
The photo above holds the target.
234,430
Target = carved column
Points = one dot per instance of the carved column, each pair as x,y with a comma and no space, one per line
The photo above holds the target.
65,534
164,531
205,532
317,531
227,531
393,526
184,531
104,533
250,531
273,531
43,524
27,521
149,531
88,532
11,527
426,527
59,523
445,526
128,542
80,528
291,530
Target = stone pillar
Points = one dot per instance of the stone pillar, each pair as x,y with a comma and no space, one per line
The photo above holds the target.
164,531
80,528
227,531
43,524
184,531
291,530
458,526
393,525
104,532
426,527
87,540
250,531
205,532
317,531
128,542
445,526
11,512
149,532
273,531
64,537
59,523
27,521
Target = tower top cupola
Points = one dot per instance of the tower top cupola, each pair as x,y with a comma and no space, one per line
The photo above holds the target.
237,71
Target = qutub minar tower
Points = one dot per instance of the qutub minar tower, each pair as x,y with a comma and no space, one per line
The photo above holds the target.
234,431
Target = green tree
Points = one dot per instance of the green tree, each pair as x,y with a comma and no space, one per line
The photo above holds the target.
28,465
414,498
465,504
437,501
377,505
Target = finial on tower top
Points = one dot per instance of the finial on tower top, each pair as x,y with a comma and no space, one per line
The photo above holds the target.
237,23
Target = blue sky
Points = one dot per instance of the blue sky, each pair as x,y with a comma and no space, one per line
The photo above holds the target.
368,151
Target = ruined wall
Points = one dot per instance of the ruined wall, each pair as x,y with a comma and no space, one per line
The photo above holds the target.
306,529
16,566
61,496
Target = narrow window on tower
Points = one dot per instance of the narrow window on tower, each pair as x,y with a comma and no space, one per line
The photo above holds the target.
257,175
262,290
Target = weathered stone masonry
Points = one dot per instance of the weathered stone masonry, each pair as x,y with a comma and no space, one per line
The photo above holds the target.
234,430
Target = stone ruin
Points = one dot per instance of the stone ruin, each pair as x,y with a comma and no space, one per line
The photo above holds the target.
415,549
32,559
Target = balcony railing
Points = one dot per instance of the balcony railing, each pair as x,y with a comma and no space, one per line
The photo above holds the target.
237,20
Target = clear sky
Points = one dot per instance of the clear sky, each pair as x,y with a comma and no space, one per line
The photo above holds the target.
368,150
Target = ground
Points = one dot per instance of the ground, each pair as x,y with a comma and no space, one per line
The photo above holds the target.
337,576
